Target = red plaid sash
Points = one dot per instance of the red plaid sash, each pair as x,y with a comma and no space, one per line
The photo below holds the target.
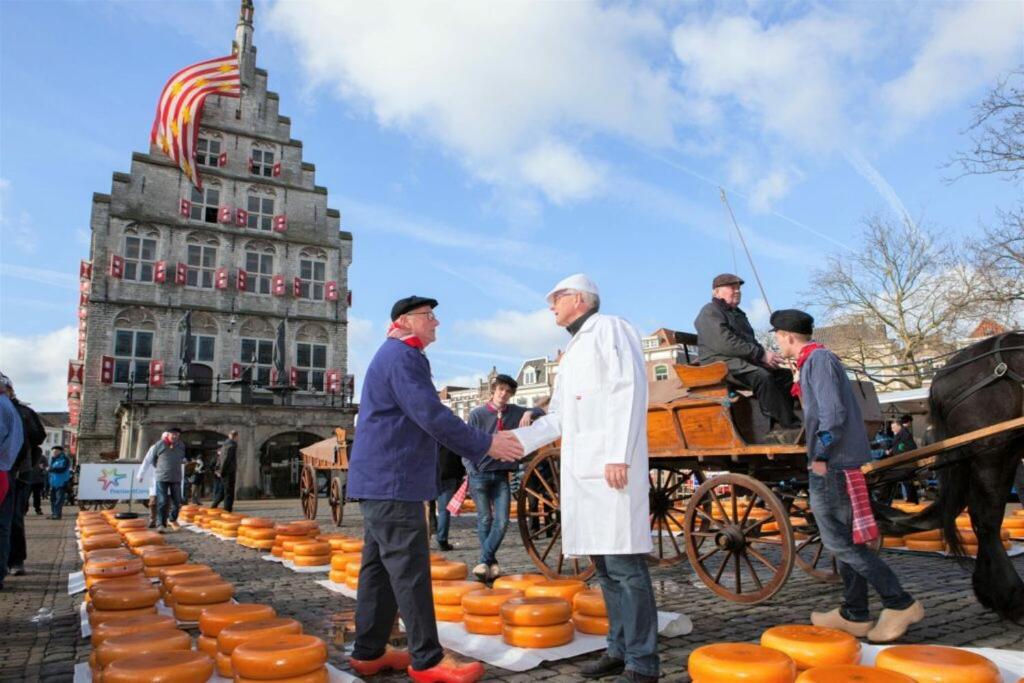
455,504
864,528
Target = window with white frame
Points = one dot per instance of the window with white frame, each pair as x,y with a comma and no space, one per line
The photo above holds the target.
261,211
133,349
660,372
139,258
205,203
310,365
262,163
208,152
650,342
202,265
311,279
202,347
259,270
529,376
258,354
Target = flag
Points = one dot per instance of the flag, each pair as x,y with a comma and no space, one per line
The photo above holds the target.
185,353
176,126
280,351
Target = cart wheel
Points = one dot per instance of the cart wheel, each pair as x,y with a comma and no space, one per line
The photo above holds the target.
671,490
725,542
307,491
810,554
537,509
337,500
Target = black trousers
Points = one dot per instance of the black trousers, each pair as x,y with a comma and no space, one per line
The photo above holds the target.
224,490
395,578
771,387
37,496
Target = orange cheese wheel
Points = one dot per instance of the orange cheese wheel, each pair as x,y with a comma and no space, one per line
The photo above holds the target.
811,646
312,560
277,551
99,616
483,624
1014,522
281,538
930,546
722,662
337,576
133,581
845,673
184,570
192,613
126,524
261,534
544,611
137,539
353,568
123,597
216,619
352,581
279,657
289,546
262,545
161,667
288,555
930,535
96,530
171,582
121,647
229,534
448,612
353,546
556,588
892,542
590,603
448,571
318,676
258,522
203,594
487,602
938,664
153,572
340,560
109,554
113,568
223,665
585,623
233,635
170,556
519,582
538,636
103,541
292,530
123,627
451,592
207,645
312,548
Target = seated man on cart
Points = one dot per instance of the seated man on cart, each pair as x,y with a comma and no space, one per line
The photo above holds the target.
724,334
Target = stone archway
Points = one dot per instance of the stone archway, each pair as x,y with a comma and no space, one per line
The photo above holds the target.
281,463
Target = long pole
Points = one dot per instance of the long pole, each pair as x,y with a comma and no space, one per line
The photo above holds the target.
753,268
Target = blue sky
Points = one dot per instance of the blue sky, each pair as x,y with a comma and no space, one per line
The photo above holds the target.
481,151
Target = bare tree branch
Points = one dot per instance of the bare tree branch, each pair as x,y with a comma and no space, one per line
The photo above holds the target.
997,132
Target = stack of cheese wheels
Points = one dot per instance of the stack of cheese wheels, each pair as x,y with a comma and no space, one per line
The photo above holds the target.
96,534
140,539
892,541
938,664
283,657
446,570
156,557
256,532
352,574
187,512
168,582
180,667
1014,524
844,673
121,599
925,540
448,598
537,622
116,564
125,525
233,635
335,541
302,530
482,609
589,613
339,565
226,526
811,646
182,570
209,515
728,662
131,645
969,540
555,588
193,595
312,554
123,627
216,618
518,582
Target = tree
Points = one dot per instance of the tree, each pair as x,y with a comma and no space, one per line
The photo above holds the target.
997,267
997,132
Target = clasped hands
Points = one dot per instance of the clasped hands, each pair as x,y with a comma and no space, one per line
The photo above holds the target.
505,447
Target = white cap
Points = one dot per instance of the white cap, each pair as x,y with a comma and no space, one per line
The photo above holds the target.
578,282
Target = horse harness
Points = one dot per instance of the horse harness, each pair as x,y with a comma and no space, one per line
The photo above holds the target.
1001,371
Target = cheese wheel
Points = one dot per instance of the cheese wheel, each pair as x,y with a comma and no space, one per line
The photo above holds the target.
192,613
97,530
448,612
99,616
133,581
318,676
292,531
353,546
487,602
337,576
1013,522
136,539
930,546
267,544
451,592
448,571
289,546
340,560
930,535
261,534
482,624
102,541
277,551
312,548
892,542
282,538
223,664
215,619
229,534
203,594
845,673
279,657
123,627
288,555
312,560
112,568
161,667
938,664
970,538
123,597
723,662
518,582
352,581
191,580
207,645
811,646
585,623
233,635
538,636
129,524
184,570
104,554
121,647
556,588
544,611
167,556
152,572
590,603
258,522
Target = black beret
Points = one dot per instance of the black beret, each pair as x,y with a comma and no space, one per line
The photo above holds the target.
726,279
792,320
174,430
505,379
409,303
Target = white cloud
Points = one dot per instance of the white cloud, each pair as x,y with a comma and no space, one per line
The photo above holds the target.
15,229
528,334
561,172
758,312
871,174
363,340
773,187
468,381
43,276
38,366
497,285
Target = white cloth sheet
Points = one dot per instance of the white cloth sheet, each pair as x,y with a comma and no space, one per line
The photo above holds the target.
83,674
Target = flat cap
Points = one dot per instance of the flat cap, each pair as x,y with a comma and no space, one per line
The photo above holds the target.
409,303
726,279
792,320
505,379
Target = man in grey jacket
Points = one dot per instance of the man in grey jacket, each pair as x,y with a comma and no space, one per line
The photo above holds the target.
167,458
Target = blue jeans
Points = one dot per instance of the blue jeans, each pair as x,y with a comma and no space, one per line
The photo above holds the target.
168,495
490,489
57,496
632,612
448,489
858,564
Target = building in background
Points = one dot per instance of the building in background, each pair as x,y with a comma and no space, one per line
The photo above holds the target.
58,430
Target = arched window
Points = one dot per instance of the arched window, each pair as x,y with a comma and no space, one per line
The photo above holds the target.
257,350
208,148
204,338
259,266
134,336
312,273
660,372
201,257
205,202
140,247
261,160
260,205
311,356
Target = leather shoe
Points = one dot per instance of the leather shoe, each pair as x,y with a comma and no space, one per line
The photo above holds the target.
893,623
449,670
393,658
629,676
445,546
606,666
836,620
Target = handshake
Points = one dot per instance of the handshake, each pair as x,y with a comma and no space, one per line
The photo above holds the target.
505,447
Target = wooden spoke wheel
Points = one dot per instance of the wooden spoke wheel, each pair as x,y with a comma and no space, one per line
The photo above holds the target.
336,497
810,553
307,491
727,545
671,490
538,512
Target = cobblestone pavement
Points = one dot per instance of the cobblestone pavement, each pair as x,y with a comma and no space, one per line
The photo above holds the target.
48,651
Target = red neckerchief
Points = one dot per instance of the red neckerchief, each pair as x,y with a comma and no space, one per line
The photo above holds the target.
168,442
409,340
499,413
800,360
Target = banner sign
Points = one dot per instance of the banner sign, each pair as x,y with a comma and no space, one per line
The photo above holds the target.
112,481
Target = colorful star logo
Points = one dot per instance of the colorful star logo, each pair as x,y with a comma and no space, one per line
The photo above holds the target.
110,478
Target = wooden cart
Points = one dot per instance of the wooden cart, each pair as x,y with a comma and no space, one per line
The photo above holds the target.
329,456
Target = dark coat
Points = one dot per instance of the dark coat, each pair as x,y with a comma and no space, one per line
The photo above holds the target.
451,466
227,463
902,442
831,408
725,334
35,434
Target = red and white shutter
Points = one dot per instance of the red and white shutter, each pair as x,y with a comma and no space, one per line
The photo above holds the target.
116,266
83,300
277,285
185,208
160,273
73,444
224,215
332,381
107,370
74,410
297,287
83,312
156,373
241,218
273,377
293,377
280,223
220,278
74,372
250,164
81,349
85,270
180,274
236,371
348,298
242,280
222,160
331,292
276,169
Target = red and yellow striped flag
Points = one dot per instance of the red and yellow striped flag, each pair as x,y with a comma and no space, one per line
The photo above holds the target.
176,127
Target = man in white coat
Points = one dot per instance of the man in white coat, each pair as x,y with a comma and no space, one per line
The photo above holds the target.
599,410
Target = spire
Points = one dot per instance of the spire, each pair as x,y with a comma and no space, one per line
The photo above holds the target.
242,45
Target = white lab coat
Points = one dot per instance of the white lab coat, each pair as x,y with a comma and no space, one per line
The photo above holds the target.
599,409
147,464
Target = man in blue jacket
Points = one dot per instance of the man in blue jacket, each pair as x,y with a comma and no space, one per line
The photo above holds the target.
392,472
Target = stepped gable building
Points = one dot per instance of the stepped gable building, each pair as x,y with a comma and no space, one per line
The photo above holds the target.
260,265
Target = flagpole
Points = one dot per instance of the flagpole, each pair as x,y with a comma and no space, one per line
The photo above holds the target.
753,268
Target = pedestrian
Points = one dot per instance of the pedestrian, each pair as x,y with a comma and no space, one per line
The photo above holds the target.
37,480
903,442
11,439
837,447
34,434
167,458
451,474
599,410
60,476
488,480
393,471
225,471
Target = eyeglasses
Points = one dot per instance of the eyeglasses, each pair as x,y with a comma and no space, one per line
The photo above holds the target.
430,314
558,295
